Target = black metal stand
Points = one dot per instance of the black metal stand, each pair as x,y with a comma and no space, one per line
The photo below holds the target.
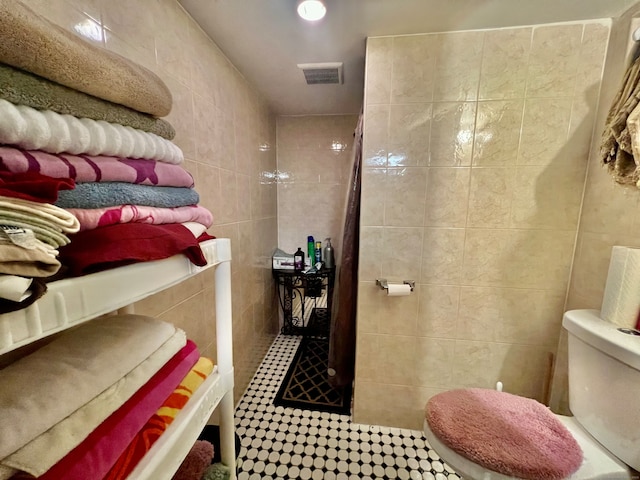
305,290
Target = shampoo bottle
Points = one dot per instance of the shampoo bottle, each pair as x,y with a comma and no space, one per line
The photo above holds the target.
311,250
329,256
318,252
298,260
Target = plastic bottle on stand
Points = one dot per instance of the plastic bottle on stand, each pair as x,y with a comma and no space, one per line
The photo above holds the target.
311,250
329,256
318,252
298,260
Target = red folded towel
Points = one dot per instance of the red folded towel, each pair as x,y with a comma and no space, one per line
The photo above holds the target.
125,243
160,421
33,186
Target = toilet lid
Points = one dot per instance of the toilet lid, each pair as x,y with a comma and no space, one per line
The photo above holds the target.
505,433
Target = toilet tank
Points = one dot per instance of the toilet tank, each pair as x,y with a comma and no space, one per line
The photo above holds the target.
604,382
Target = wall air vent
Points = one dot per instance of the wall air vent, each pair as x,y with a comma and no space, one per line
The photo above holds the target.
322,73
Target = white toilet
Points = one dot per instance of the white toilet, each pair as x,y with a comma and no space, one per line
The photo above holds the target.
604,397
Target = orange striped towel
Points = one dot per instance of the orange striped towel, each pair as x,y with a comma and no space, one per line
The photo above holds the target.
159,422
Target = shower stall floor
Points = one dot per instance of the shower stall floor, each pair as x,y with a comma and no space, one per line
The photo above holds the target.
290,443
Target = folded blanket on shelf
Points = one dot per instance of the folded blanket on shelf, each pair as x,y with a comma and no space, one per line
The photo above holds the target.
159,422
51,132
50,214
94,456
87,168
125,243
24,88
110,194
38,455
92,357
33,43
33,186
101,217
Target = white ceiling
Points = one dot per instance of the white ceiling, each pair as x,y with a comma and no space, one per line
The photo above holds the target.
265,39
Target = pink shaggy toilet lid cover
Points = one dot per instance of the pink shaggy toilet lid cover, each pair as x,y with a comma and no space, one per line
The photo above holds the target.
505,433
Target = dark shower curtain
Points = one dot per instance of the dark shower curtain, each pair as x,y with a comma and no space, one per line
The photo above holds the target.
342,339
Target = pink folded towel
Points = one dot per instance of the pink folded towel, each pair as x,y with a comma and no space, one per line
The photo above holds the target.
92,218
87,168
505,433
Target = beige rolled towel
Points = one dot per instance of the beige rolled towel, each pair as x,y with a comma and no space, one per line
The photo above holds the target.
32,43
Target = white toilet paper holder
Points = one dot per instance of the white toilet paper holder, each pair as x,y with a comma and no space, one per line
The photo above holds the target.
384,285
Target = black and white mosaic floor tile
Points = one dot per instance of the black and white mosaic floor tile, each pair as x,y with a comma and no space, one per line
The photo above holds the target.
290,443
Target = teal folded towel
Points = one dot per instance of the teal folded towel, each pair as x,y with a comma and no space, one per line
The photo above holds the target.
110,194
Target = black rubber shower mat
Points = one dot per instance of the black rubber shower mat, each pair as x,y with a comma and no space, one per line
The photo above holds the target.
306,386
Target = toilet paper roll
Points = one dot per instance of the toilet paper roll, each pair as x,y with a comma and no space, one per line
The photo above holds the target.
621,302
398,289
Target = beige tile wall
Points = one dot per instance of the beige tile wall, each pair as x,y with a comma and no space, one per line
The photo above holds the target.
315,156
609,215
227,133
475,154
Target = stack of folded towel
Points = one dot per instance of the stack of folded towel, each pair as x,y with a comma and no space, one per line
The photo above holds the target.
110,380
31,232
72,110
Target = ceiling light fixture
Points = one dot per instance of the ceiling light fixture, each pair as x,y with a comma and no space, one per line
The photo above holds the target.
311,10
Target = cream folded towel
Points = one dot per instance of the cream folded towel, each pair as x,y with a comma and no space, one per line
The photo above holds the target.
51,132
33,43
43,452
57,216
91,358
42,231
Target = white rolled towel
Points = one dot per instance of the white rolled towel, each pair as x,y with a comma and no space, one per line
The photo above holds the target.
51,132
80,136
60,133
38,133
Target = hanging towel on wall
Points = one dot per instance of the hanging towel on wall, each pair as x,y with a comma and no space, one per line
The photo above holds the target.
33,43
24,88
616,146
